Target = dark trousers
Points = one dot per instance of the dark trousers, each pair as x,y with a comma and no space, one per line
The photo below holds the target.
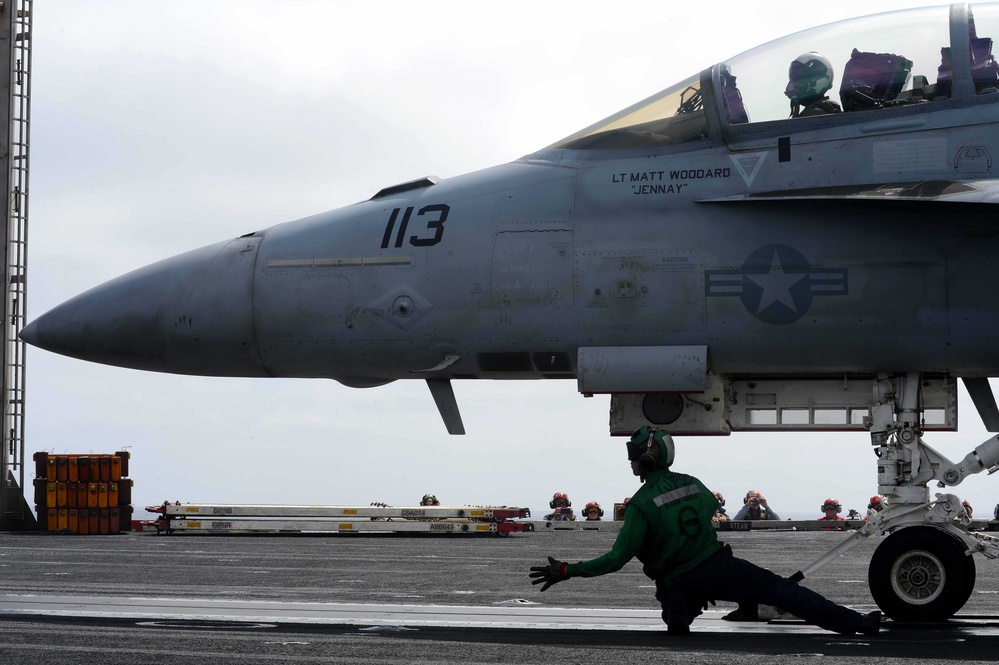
726,577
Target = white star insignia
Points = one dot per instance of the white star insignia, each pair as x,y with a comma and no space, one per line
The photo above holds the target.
776,286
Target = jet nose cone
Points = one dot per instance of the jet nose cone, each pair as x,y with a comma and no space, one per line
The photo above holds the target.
190,314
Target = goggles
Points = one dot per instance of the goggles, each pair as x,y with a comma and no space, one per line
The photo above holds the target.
637,449
634,452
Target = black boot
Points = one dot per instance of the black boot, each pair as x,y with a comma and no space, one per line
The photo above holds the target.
870,624
745,612
678,620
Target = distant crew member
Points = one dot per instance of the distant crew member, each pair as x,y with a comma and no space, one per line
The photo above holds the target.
810,77
593,512
832,509
619,509
667,525
429,500
561,508
876,505
967,508
720,515
755,507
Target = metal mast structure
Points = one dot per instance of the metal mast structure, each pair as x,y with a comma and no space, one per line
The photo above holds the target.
15,82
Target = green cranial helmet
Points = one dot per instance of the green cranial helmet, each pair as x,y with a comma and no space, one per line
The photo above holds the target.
640,447
810,76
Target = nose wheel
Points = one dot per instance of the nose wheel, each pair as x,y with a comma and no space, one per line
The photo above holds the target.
921,573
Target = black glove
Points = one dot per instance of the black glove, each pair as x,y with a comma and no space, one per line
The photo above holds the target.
553,573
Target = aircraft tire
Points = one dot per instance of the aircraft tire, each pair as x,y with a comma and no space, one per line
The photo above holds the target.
921,573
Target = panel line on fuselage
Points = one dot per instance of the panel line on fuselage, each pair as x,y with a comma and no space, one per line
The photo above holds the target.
335,262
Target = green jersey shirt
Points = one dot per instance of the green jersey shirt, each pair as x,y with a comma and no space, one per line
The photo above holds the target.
667,525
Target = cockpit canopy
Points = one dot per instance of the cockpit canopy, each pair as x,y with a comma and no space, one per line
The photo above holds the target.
903,58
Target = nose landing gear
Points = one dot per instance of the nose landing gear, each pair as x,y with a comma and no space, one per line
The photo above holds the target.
924,570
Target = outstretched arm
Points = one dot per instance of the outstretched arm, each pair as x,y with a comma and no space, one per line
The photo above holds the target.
625,547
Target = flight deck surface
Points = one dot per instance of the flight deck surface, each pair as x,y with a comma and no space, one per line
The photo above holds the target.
381,598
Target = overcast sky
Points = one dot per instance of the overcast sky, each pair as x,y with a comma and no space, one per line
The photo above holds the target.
161,127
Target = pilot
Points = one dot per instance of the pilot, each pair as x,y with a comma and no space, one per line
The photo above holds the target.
832,509
755,507
593,512
810,77
561,508
429,500
667,525
720,515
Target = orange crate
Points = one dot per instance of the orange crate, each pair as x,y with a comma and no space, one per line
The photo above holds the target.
83,468
84,521
125,492
41,464
123,455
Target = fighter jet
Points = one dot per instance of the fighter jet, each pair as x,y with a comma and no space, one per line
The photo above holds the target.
801,237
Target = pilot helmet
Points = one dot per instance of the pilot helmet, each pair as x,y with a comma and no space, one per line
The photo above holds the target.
810,76
429,500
